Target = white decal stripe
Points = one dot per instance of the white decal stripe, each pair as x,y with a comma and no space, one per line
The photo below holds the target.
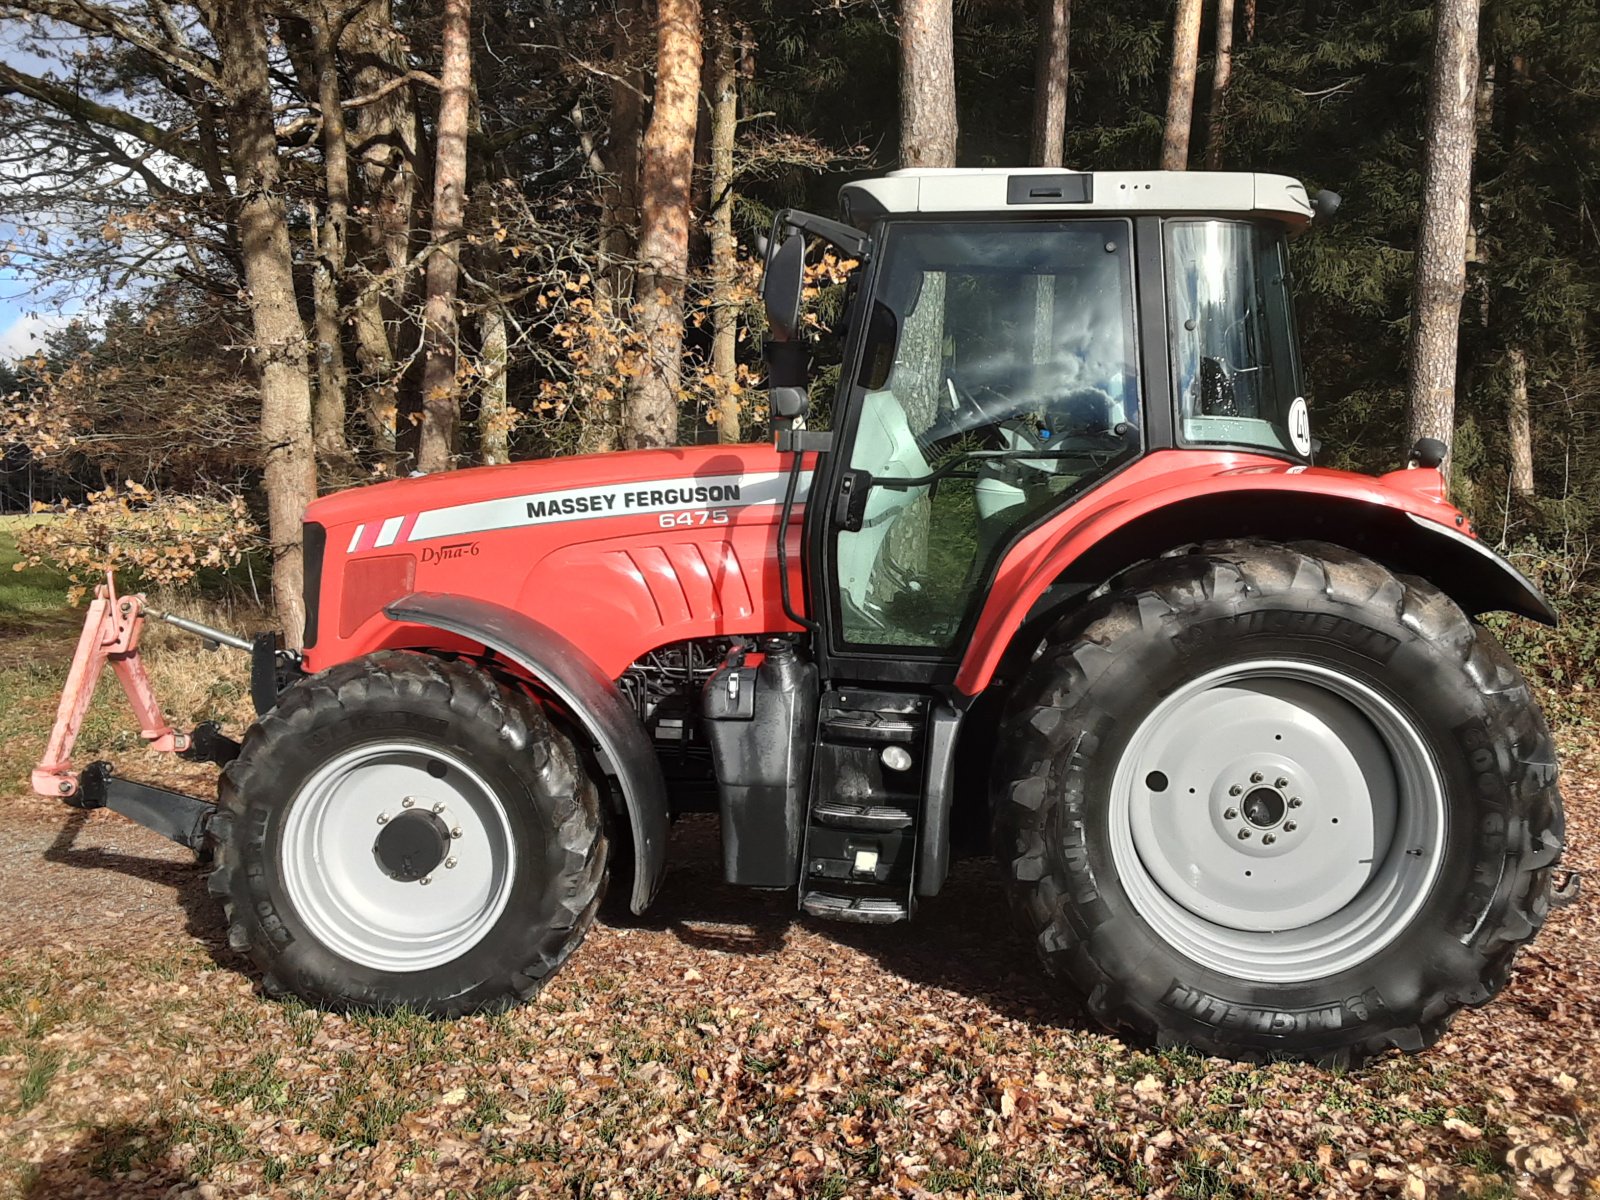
355,538
615,500
390,531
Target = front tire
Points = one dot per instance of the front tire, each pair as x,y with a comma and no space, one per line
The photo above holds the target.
1268,800
403,832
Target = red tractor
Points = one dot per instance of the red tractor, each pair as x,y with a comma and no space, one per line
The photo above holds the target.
1255,779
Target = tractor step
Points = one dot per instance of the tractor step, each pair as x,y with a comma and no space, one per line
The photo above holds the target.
875,817
861,827
870,727
858,910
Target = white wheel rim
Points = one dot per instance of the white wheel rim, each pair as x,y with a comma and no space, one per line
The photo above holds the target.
341,890
1277,821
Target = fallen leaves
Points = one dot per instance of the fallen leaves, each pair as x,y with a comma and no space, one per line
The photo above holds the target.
722,1048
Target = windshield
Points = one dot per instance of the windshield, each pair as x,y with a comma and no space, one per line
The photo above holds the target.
1231,318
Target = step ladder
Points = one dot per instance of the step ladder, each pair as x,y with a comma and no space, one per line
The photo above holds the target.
863,819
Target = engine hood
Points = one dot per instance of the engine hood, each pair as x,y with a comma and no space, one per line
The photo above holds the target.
422,494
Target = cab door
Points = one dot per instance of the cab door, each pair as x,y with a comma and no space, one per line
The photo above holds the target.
995,378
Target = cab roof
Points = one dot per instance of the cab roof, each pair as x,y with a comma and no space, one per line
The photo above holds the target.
1016,191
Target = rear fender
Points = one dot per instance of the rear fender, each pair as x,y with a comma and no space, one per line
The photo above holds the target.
1398,527
587,694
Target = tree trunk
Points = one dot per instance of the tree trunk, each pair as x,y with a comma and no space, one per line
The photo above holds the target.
724,254
290,473
332,243
665,185
1050,84
1520,424
1249,22
387,133
494,410
1221,76
441,395
619,211
1441,267
1180,86
927,84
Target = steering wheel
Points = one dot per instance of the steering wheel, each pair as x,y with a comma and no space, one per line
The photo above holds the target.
968,413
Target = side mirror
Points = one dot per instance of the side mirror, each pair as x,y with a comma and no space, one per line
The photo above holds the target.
1324,204
781,287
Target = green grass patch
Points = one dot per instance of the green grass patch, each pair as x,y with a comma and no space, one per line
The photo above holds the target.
36,590
41,1069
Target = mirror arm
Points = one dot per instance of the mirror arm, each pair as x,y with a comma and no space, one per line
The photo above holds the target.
846,237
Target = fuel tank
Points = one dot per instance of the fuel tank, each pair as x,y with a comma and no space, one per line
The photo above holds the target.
621,553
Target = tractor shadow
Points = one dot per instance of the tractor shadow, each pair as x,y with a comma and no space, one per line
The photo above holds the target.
113,1160
960,941
185,878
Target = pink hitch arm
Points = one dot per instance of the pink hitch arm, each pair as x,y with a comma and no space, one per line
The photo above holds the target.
111,630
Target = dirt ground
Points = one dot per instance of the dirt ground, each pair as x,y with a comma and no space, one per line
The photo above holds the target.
723,1045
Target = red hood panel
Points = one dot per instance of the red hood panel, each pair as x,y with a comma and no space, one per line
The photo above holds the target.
622,553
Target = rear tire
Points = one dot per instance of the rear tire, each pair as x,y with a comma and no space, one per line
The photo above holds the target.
1385,848
403,832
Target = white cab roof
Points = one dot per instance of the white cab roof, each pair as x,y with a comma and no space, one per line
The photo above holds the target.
1025,190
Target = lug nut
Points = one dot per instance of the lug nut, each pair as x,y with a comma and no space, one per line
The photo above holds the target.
438,808
425,880
449,863
1280,782
407,802
1236,790
1268,838
456,832
1294,801
66,787
1255,776
1244,835
1289,827
383,818
1229,814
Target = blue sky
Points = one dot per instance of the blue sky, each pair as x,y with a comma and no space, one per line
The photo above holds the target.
25,312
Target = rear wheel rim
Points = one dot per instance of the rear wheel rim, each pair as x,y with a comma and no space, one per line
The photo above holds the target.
1277,821
410,909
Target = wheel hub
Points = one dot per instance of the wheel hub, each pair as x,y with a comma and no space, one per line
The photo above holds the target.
354,857
1259,808
1265,807
412,846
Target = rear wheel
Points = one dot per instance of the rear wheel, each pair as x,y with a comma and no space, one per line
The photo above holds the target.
1276,800
403,832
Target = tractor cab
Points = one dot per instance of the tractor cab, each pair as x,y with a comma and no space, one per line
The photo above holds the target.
1017,338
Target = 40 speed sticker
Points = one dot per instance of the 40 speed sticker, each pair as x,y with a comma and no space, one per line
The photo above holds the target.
613,500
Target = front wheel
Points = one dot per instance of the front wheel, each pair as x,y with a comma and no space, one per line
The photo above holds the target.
1270,800
408,833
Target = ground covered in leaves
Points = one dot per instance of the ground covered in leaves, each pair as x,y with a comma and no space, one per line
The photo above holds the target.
721,1045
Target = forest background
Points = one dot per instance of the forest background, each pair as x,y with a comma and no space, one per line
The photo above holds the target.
316,243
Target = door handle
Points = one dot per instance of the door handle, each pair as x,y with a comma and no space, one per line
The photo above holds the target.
850,510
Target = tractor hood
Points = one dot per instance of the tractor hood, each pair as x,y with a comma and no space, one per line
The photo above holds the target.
579,486
619,553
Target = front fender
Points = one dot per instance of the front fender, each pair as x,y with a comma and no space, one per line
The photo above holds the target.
584,690
1176,498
